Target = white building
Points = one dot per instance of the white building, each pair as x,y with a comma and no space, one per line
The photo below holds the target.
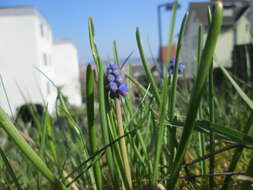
65,61
236,31
26,44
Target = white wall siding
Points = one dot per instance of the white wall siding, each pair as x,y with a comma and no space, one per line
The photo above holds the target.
65,61
224,49
21,50
243,30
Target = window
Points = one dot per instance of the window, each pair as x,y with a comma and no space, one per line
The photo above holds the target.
45,59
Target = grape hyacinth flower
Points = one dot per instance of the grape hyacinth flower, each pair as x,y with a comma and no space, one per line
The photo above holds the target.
172,65
115,81
116,86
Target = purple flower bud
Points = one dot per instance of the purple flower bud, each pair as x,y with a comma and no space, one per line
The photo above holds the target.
113,86
113,67
172,67
109,71
180,68
120,78
123,90
117,72
110,77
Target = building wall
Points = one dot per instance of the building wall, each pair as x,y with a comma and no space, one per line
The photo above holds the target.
250,16
224,48
44,53
237,35
65,62
243,29
189,46
21,49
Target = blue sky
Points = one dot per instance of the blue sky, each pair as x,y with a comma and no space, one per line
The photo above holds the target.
113,19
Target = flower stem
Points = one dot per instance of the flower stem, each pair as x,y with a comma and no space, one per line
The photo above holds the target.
122,143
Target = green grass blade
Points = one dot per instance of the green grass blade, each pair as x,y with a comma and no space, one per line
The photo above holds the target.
6,96
170,134
50,140
237,154
227,132
126,60
116,57
101,96
196,95
171,36
149,75
175,73
172,101
160,136
223,132
44,135
11,130
211,116
92,129
201,136
10,170
245,98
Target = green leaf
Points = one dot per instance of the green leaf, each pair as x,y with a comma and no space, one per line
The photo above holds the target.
245,98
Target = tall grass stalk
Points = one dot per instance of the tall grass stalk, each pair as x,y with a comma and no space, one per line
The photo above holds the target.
211,116
169,134
171,36
205,63
101,98
92,129
149,75
164,105
10,170
115,53
201,136
172,101
50,140
175,72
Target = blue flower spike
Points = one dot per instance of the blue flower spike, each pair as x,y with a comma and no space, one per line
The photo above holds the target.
172,65
115,81
181,68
